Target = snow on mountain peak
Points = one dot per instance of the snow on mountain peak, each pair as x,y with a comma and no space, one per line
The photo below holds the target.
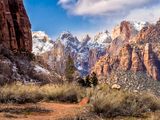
139,25
86,38
40,35
103,37
68,40
41,42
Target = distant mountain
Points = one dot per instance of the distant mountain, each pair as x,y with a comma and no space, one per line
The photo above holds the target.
85,52
41,42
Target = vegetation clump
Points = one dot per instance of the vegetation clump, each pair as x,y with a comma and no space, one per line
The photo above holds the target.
18,93
89,81
111,103
103,100
70,69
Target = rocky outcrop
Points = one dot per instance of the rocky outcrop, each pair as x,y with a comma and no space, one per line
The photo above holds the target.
126,30
15,28
129,59
149,62
15,37
137,64
125,57
148,34
135,47
122,34
24,69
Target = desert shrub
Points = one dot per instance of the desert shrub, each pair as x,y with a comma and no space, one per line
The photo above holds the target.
18,93
63,93
112,103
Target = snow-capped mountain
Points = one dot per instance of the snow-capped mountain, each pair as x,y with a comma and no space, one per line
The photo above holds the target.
127,29
41,42
85,52
139,25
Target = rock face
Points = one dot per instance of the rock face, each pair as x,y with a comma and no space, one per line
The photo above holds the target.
126,30
122,34
133,51
85,52
15,28
129,59
15,37
149,62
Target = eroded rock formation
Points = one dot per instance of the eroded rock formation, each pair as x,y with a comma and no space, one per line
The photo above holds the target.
15,28
135,47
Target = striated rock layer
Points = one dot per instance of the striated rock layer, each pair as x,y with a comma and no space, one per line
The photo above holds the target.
132,51
15,27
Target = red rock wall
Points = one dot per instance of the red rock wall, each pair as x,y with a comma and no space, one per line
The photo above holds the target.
15,27
129,59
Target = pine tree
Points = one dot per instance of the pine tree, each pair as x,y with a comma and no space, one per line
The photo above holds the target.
70,69
88,82
94,79
81,82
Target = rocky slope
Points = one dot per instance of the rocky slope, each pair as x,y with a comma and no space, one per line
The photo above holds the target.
15,28
133,51
85,52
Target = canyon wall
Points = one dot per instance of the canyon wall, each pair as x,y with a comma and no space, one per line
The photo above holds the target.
15,27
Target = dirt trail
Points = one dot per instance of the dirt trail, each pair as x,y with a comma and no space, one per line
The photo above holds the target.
57,112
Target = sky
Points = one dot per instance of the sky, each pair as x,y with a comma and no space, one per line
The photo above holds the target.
81,17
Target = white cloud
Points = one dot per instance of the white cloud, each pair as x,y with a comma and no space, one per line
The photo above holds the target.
104,14
101,7
151,14
64,1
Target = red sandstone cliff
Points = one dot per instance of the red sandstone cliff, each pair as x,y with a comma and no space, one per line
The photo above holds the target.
15,28
137,53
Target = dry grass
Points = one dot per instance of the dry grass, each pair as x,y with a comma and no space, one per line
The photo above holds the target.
18,93
104,101
111,103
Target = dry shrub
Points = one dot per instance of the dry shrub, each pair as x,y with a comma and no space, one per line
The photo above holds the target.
18,93
112,103
63,93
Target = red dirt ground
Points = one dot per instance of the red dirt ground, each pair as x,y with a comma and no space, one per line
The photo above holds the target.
58,112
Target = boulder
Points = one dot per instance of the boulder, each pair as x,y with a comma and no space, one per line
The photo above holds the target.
116,86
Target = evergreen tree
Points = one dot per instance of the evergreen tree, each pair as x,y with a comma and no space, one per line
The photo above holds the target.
81,82
88,82
70,69
94,79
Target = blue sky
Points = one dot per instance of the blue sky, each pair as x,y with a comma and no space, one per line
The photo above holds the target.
87,16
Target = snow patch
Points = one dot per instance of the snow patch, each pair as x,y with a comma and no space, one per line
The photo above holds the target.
40,69
139,25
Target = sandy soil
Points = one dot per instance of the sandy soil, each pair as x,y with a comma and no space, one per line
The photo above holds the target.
56,111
